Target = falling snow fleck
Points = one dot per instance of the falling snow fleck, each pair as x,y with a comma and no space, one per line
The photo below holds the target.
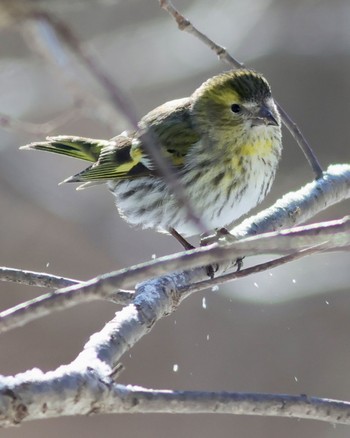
204,303
270,274
175,367
296,378
294,280
327,302
208,337
47,264
154,256
256,285
215,288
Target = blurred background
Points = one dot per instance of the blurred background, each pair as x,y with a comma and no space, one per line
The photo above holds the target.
282,331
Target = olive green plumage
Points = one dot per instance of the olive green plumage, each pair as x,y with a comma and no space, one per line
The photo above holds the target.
224,142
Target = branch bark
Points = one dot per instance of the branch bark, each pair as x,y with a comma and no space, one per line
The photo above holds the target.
35,395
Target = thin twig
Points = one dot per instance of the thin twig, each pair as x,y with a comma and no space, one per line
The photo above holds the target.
8,122
39,279
279,405
185,25
261,267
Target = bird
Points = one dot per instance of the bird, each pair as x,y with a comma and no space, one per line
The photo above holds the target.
223,142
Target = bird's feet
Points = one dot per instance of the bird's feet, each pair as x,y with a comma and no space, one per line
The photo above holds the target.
239,263
183,242
210,269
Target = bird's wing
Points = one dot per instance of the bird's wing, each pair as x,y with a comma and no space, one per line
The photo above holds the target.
117,160
86,149
125,156
171,125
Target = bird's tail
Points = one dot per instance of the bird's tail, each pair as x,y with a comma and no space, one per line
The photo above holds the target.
77,147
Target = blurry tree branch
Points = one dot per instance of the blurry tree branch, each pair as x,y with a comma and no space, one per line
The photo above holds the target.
224,56
87,385
52,38
13,124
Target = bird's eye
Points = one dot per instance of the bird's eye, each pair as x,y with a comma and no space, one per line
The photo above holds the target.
235,108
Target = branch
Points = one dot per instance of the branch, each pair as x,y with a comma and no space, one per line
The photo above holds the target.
293,208
300,206
31,278
71,391
13,124
225,57
225,278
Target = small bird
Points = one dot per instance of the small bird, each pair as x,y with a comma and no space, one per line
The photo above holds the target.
223,142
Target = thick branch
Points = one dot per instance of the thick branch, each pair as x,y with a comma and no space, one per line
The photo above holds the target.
68,391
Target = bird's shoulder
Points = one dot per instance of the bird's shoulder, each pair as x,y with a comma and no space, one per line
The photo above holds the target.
171,123
126,156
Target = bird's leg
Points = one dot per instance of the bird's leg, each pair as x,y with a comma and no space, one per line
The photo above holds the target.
210,269
239,263
239,260
180,239
220,232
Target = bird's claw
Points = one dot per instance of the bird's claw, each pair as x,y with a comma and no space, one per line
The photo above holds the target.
211,269
239,263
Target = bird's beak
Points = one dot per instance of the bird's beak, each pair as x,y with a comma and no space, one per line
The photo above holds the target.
264,117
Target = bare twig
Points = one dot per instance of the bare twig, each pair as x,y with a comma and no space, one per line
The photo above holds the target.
225,278
50,281
185,25
42,128
280,405
31,278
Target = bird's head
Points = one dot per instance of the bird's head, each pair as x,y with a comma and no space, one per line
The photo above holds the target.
228,106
